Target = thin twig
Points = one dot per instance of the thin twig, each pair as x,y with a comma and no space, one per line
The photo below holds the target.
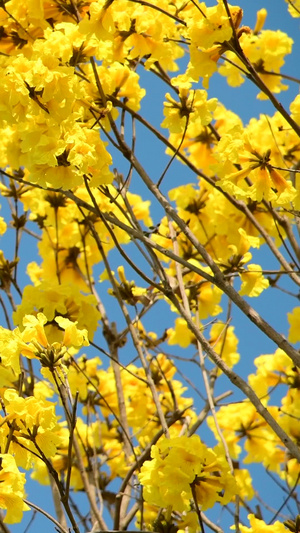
42,511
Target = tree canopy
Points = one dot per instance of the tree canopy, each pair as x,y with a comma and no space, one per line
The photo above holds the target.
122,386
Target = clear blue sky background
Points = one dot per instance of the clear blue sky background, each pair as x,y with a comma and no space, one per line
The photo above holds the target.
243,101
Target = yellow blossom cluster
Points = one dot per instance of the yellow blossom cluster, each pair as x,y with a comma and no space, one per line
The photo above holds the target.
28,428
266,50
184,468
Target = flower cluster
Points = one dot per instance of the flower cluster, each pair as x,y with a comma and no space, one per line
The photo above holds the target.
183,469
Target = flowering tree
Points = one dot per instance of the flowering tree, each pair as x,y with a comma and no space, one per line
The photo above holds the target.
117,382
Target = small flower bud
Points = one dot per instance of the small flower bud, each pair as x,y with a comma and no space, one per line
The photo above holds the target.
261,16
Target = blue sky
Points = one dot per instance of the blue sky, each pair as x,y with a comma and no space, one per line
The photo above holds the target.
272,305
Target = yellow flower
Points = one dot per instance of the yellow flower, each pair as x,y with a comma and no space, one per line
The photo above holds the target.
224,342
180,334
259,526
295,108
72,336
294,321
54,300
290,415
294,8
100,21
10,357
253,281
213,27
273,369
192,107
3,226
140,208
242,421
244,483
78,373
203,64
162,370
11,489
